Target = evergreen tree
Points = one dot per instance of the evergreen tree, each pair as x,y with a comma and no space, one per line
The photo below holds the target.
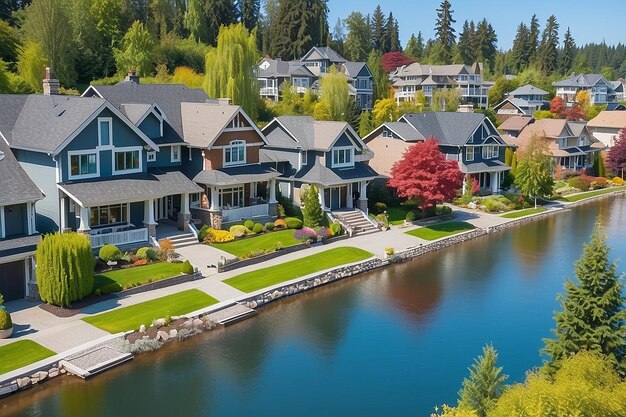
547,56
533,175
338,37
137,51
378,28
366,124
485,385
194,21
392,36
312,211
467,44
249,13
446,35
568,52
593,316
298,26
519,51
218,13
513,170
411,49
533,39
486,41
358,42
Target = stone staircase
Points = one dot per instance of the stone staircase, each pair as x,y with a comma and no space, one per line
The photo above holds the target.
180,241
356,220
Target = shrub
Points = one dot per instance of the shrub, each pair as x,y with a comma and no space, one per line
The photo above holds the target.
305,234
390,251
280,224
147,253
219,236
494,205
293,223
1,301
166,247
239,230
567,190
325,232
444,210
109,253
203,232
598,183
257,228
249,224
411,216
65,264
618,181
287,204
109,288
312,211
269,226
186,268
5,320
383,220
336,228
380,208
140,262
579,182
280,211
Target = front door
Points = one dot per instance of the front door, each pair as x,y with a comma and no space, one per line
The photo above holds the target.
13,280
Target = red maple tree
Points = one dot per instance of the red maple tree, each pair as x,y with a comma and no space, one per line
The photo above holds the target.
557,106
424,174
575,113
395,59
616,157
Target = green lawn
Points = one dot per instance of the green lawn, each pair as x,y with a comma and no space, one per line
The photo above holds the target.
397,214
582,196
130,318
265,241
521,213
440,230
21,353
137,275
261,278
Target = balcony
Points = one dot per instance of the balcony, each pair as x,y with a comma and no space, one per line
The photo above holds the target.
249,212
269,91
100,237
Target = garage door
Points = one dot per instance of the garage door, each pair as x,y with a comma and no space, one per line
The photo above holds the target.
12,282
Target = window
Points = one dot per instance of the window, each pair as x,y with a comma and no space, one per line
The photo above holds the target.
194,199
490,152
175,153
105,131
385,133
582,141
83,165
342,157
151,156
231,197
469,153
235,153
304,158
106,215
127,161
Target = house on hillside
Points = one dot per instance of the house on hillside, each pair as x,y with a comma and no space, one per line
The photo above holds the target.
224,159
469,138
571,143
18,231
600,89
408,79
101,174
319,59
513,126
522,101
330,155
273,73
606,126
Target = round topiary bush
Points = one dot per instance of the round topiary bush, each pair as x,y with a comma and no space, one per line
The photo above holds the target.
411,216
147,253
293,223
280,224
249,224
109,253
204,230
269,226
187,268
257,228
239,230
5,320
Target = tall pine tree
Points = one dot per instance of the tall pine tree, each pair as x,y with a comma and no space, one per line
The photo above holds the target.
519,51
486,43
533,39
249,13
467,43
446,35
379,26
548,56
568,52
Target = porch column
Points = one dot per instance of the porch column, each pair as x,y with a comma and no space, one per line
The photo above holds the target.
148,219
272,185
184,216
320,194
349,202
215,200
252,190
215,214
84,221
362,205
64,213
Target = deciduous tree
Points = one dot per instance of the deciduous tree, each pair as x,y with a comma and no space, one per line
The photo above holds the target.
385,110
425,175
533,174
616,157
137,51
334,91
31,64
557,106
395,59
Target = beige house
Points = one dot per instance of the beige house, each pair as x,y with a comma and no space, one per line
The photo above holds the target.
606,126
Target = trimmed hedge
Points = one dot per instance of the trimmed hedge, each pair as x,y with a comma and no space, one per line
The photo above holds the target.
147,253
65,265
239,230
109,253
269,226
187,268
5,320
293,223
249,224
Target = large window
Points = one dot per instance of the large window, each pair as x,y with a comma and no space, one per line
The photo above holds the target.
231,197
127,161
469,153
235,153
490,152
83,165
106,215
343,157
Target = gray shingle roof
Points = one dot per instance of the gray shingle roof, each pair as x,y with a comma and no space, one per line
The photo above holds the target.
135,112
283,69
21,244
236,175
320,174
527,89
353,68
16,185
405,131
167,96
581,80
309,133
492,165
327,53
156,183
449,128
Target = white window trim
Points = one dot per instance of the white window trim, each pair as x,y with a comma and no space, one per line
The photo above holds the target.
305,158
108,120
235,143
345,164
151,156
490,151
172,158
127,149
82,176
467,153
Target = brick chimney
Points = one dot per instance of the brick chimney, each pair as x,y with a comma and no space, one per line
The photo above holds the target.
132,76
223,101
50,84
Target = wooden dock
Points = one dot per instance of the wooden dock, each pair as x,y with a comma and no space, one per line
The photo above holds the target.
96,359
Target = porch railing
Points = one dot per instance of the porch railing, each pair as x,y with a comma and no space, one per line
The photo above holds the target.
235,214
119,238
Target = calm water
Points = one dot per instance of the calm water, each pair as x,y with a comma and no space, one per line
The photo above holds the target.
389,343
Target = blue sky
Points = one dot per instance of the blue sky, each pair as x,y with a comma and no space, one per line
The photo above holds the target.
590,21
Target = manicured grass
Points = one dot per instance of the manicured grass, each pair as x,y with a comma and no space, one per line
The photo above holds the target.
261,278
265,241
397,214
582,196
521,213
130,318
137,275
440,230
21,353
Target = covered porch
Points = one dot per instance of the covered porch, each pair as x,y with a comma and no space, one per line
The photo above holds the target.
489,175
125,210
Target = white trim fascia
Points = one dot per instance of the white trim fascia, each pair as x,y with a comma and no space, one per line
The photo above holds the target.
71,177
5,139
245,115
239,129
70,195
127,149
247,144
17,257
2,226
344,165
92,88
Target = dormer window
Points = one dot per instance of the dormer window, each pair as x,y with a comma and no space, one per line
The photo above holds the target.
235,153
304,158
343,157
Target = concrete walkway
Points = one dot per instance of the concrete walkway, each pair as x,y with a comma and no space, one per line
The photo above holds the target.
59,334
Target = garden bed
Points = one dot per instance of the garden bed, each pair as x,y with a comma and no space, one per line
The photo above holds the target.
581,196
263,242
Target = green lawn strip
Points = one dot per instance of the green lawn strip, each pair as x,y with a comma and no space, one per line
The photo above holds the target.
137,274
265,241
440,230
21,353
265,277
397,214
521,213
582,196
130,318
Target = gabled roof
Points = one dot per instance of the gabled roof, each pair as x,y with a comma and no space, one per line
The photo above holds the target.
16,185
526,90
308,133
325,52
615,107
516,123
135,112
283,69
321,174
547,128
167,96
610,119
417,69
517,102
582,80
204,122
449,128
354,68
404,130
47,123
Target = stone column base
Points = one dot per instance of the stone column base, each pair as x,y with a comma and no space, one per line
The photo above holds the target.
183,221
33,292
271,209
151,229
362,205
216,219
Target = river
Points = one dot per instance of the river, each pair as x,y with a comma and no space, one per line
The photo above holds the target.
393,342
